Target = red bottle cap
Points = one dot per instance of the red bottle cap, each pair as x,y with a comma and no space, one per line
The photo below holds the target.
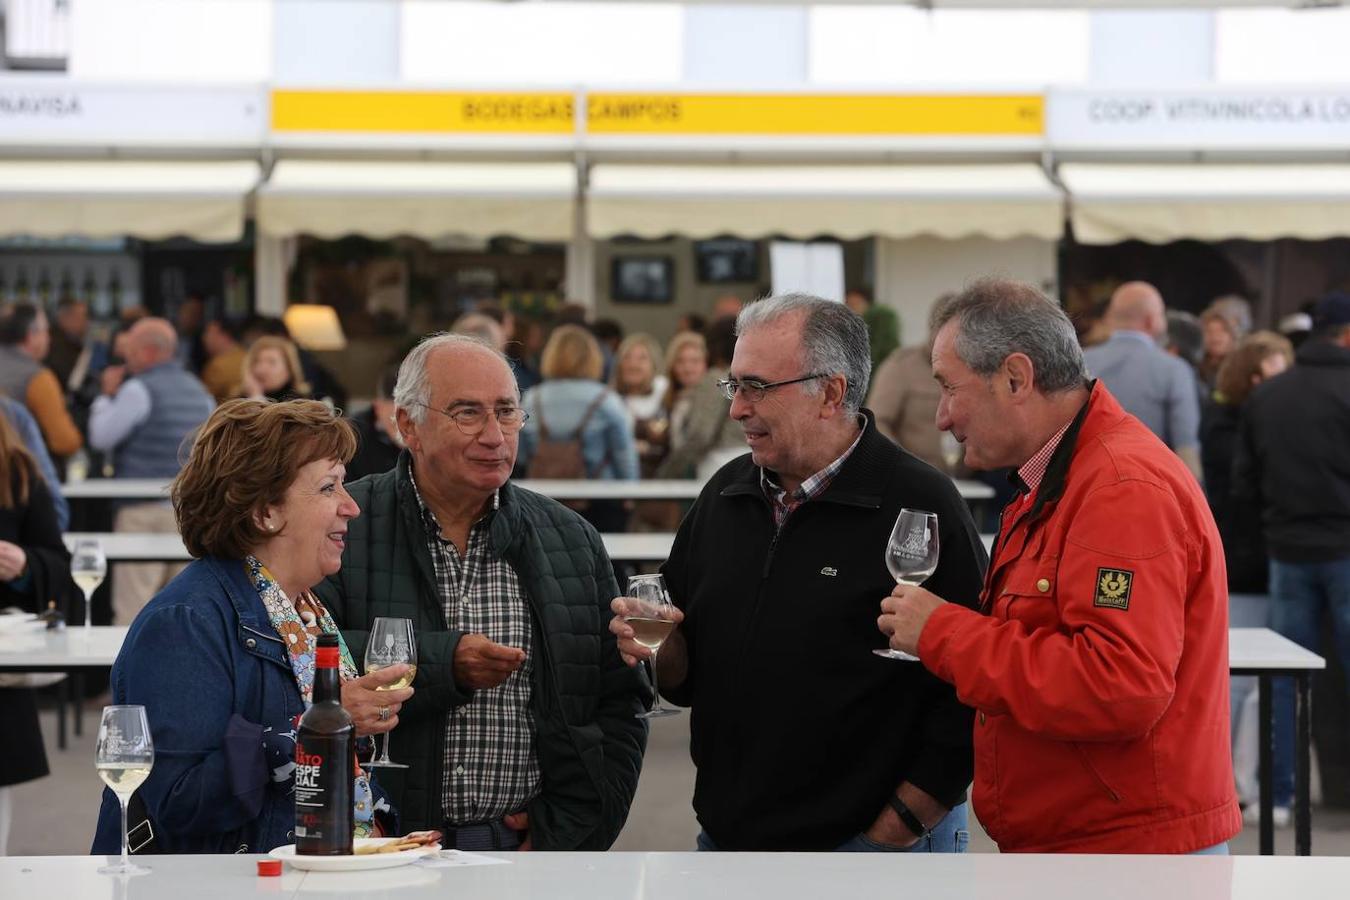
269,867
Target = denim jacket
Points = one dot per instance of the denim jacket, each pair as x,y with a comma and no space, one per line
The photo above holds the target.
202,651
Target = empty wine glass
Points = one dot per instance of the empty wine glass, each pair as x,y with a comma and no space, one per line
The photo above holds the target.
652,623
123,758
391,642
911,556
88,567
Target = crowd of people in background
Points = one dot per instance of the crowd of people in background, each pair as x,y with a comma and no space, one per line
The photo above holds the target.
1261,418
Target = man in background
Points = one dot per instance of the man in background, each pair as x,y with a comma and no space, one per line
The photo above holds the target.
1152,385
149,410
378,439
883,327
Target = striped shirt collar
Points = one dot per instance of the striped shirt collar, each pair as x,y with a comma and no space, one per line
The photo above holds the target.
1032,472
784,503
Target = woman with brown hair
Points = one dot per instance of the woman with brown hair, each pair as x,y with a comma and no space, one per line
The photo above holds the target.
1260,355
223,657
686,364
34,569
272,371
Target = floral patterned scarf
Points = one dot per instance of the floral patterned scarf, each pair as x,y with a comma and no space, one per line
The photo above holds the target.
299,625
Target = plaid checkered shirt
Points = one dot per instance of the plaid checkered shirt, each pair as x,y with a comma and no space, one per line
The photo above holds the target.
491,768
784,503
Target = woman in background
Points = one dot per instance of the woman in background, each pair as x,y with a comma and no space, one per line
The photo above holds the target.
272,371
1260,355
34,569
638,381
686,364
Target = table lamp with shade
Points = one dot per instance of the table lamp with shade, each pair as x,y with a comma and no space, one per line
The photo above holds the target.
315,326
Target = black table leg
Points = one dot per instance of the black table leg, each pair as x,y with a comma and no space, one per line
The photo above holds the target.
77,688
62,693
1302,770
1267,765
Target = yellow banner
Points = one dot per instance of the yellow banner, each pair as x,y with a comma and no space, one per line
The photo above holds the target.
422,112
822,114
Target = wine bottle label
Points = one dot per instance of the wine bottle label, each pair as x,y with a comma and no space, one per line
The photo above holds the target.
323,794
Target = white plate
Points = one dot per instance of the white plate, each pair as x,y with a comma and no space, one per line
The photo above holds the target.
288,855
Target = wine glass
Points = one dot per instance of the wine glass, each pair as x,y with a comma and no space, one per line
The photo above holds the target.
391,642
911,555
652,624
953,451
123,758
88,566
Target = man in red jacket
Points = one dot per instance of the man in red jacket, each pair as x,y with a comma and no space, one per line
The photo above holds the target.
1098,666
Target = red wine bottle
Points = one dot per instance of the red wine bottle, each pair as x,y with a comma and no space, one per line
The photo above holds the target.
325,758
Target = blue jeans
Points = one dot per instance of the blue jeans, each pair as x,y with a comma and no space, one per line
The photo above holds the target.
1301,595
951,835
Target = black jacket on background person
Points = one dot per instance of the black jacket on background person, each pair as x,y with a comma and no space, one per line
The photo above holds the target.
799,732
1239,523
1293,458
375,452
32,526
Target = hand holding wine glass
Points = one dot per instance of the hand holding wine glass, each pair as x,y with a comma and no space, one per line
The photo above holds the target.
88,567
646,617
391,642
911,556
123,757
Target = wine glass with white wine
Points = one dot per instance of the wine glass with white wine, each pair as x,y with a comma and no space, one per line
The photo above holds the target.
911,556
391,642
123,758
88,567
652,622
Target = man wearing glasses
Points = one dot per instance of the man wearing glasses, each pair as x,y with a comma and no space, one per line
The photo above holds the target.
522,732
803,738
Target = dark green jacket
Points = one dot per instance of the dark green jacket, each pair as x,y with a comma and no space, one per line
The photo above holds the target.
589,743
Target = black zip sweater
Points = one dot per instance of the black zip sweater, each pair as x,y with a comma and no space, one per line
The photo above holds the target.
799,732
1293,456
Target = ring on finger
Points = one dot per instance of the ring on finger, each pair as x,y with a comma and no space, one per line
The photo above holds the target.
384,713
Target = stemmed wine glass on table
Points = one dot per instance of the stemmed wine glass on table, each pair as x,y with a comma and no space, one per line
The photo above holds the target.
88,567
652,622
391,642
911,556
123,758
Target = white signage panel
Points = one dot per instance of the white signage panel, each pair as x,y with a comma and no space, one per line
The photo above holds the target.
1198,119
57,111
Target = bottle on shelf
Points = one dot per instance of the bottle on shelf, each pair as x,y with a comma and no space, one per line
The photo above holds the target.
325,762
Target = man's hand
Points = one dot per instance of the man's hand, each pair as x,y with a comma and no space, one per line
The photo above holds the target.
111,379
363,703
629,649
903,615
13,561
481,663
519,822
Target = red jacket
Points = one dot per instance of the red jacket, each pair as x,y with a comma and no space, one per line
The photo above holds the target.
1099,672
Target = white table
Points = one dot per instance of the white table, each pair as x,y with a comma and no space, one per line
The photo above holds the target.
1265,654
699,876
659,489
131,546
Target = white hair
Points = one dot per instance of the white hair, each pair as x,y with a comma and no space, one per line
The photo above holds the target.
412,391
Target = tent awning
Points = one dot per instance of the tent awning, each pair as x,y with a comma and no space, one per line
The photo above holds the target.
1206,202
329,198
151,200
846,201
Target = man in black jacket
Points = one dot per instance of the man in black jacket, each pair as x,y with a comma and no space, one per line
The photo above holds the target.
378,441
523,731
1293,462
803,738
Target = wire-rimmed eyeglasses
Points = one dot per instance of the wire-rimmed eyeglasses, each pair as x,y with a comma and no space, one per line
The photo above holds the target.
473,419
754,391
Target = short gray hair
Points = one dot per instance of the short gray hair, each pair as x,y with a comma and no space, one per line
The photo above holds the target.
834,339
412,391
997,317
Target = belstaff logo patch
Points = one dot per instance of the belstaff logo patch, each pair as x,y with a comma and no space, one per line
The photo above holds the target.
1113,588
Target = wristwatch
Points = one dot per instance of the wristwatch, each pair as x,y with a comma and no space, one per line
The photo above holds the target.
907,817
